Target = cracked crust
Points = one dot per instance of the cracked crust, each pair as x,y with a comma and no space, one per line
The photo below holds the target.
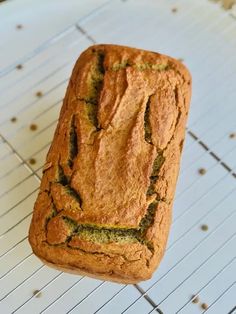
104,206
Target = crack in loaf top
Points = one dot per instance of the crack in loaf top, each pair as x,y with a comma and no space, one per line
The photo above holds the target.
120,112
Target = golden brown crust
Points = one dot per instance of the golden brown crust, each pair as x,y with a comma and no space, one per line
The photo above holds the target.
77,271
104,207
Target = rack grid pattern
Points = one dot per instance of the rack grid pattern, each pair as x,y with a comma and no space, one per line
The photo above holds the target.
196,262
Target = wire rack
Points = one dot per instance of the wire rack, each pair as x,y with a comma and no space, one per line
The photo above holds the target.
201,257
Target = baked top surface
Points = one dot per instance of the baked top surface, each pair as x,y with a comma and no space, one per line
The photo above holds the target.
111,170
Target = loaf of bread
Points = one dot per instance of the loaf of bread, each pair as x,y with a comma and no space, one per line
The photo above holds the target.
104,205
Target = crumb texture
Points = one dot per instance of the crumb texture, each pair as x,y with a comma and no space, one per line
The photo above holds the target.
104,206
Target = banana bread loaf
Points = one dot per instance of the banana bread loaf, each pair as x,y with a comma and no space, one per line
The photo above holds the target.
104,206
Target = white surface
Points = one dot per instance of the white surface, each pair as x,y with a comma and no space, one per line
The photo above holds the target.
196,262
39,23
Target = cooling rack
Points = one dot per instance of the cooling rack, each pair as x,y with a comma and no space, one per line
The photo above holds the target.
200,259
